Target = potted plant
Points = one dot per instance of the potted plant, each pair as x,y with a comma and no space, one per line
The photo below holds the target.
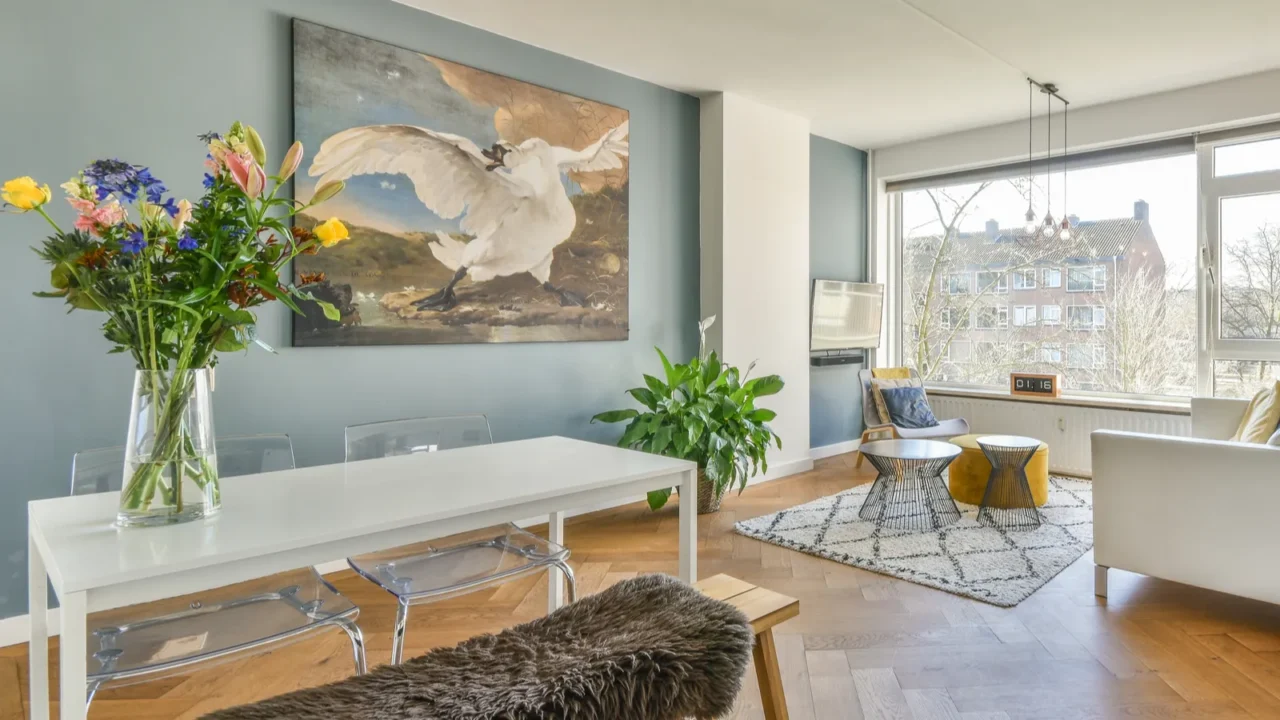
703,411
175,283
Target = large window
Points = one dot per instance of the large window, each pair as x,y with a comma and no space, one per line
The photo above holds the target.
1113,309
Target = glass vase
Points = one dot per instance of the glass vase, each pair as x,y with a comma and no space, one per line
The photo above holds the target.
170,463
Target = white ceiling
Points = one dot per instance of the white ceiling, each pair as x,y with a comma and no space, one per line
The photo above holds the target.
873,73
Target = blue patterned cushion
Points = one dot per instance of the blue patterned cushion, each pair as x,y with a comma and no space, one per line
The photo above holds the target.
908,407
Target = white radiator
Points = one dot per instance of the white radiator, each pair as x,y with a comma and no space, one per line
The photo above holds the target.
1065,428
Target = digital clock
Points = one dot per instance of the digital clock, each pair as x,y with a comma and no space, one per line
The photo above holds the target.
1035,384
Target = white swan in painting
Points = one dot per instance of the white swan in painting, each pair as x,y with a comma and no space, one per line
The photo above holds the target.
511,196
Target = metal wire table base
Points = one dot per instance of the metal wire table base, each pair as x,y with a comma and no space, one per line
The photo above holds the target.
909,494
1007,502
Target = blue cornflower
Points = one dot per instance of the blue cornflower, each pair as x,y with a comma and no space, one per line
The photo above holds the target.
208,181
186,242
134,243
170,207
128,181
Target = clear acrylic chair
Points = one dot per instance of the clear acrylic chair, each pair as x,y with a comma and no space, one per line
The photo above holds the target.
140,643
427,573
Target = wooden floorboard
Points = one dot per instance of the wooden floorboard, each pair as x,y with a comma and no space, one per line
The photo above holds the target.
864,646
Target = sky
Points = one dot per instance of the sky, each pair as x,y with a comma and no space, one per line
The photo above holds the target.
1169,186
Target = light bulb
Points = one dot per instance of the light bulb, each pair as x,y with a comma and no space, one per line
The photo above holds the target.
1030,227
1050,227
1064,234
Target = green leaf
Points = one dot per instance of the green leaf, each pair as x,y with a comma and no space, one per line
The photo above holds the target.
762,386
634,432
660,440
644,397
60,277
82,300
656,385
613,416
330,311
667,368
658,498
761,415
229,342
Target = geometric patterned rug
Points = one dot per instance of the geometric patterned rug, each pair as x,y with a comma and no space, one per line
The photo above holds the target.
1001,567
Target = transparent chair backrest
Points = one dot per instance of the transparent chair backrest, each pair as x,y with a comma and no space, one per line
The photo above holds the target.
402,437
95,471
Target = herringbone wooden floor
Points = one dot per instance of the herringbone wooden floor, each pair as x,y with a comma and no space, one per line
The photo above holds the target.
864,646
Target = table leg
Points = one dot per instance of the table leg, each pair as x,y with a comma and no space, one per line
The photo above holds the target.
72,668
38,646
689,527
555,578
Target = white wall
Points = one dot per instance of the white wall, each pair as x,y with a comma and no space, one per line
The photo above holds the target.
755,254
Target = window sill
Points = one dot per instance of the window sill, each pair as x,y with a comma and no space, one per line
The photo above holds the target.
1166,407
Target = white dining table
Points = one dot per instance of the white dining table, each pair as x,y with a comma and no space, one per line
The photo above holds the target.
273,522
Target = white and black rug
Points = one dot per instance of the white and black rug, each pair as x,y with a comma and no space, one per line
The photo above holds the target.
989,564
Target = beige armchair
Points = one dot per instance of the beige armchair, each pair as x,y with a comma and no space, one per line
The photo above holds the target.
879,430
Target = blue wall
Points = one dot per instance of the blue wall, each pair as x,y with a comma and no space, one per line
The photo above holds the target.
837,251
138,80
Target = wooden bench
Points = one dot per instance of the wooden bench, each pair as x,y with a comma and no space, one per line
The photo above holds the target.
764,608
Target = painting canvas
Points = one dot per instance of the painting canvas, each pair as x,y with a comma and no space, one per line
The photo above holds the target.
480,208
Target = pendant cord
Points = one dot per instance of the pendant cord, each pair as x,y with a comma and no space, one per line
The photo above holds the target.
1066,106
1030,151
1048,163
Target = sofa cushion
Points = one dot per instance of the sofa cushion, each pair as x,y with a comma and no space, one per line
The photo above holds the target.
1261,417
896,373
879,384
908,407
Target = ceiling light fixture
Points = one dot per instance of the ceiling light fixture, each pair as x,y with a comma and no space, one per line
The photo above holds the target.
1048,228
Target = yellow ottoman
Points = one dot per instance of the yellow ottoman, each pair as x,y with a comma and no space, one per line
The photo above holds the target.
969,472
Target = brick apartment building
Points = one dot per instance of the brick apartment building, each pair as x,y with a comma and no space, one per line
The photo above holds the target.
1041,306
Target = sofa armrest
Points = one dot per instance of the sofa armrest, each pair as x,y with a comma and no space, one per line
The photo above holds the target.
1195,511
1216,418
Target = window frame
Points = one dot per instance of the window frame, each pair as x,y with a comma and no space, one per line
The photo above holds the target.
1044,316
1094,269
1057,273
1213,191
1034,317
1001,283
1020,275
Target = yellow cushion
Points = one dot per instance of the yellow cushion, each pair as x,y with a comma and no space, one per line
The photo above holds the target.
898,373
1261,418
968,473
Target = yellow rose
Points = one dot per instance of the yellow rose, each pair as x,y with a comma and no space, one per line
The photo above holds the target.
331,232
24,194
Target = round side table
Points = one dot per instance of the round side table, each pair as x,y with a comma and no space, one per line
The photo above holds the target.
909,492
1007,502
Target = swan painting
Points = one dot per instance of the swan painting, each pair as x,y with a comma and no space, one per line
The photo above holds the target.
480,208
510,197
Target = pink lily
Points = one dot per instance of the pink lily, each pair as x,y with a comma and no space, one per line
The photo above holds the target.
246,174
292,159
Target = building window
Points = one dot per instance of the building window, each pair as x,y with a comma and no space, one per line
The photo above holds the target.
1092,278
1051,314
991,281
991,317
1052,278
1024,315
1051,354
1086,317
959,283
1024,280
954,318
1080,356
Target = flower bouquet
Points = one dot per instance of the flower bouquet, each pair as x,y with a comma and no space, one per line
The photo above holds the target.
177,283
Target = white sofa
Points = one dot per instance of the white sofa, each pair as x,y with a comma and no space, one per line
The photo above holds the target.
1202,510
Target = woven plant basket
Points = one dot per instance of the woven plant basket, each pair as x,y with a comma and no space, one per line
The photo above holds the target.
708,499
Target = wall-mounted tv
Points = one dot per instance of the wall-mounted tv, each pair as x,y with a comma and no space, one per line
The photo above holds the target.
845,315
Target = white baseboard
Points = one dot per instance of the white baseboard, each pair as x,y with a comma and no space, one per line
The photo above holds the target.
840,448
16,630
